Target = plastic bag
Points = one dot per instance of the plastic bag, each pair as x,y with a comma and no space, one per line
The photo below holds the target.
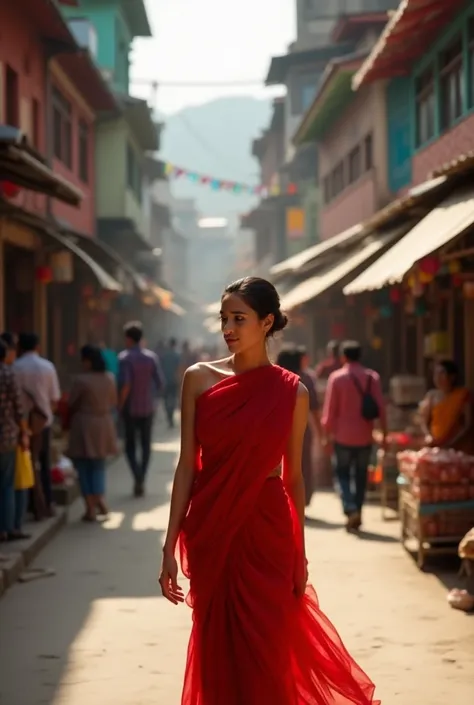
24,475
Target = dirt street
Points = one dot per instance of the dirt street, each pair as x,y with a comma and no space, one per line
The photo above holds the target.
99,633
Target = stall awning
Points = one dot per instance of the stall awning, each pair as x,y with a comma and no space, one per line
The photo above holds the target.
102,252
314,286
440,226
22,168
296,262
103,278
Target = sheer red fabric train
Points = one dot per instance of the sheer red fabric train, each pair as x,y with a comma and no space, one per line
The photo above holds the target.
253,642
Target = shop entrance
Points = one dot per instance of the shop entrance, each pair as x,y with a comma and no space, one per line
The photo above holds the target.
19,284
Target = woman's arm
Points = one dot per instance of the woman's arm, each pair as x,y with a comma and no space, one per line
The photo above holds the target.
75,396
184,475
466,424
292,473
425,414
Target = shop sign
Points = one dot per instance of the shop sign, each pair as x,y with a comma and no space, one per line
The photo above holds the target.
295,223
62,267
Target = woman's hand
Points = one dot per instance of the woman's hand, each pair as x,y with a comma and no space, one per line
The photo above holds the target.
169,579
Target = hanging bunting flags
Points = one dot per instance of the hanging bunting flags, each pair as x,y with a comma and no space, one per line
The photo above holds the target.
235,187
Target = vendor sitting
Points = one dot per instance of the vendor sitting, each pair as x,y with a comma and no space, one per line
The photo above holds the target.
447,411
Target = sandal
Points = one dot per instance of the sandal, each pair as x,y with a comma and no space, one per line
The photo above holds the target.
89,518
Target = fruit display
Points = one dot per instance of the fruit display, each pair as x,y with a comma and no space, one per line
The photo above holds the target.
438,475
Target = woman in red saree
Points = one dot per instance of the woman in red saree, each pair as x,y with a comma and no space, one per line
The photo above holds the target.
258,636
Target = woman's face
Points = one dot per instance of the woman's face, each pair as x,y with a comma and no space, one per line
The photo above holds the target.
241,327
442,379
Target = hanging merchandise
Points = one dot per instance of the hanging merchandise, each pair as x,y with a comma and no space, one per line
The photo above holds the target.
430,265
376,343
9,189
420,307
456,280
454,266
235,187
385,311
468,290
395,295
44,275
425,277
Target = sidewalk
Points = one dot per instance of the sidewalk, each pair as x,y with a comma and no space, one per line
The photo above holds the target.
16,556
99,633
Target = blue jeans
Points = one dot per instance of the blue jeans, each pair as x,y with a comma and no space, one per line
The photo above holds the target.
352,463
7,491
21,503
91,473
138,427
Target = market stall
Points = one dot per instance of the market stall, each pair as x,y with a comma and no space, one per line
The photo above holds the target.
436,500
404,433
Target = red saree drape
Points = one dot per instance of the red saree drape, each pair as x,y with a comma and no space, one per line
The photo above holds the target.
253,642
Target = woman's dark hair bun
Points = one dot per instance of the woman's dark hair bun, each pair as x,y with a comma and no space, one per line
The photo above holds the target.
280,322
262,297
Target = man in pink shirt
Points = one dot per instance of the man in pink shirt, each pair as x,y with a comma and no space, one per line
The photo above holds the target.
352,403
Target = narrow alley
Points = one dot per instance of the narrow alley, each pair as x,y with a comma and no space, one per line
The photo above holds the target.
99,632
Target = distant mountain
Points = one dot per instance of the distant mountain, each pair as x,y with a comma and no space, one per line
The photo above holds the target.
216,139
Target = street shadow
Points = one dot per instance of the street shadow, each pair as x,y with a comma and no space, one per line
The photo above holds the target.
375,536
315,523
99,566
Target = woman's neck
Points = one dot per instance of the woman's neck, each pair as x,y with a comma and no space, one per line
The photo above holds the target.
250,359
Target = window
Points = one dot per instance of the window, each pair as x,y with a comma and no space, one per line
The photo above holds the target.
338,180
307,96
368,153
62,130
12,98
134,173
355,166
327,189
425,107
35,123
451,83
83,151
471,61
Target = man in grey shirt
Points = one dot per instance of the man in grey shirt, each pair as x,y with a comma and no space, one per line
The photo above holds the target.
38,381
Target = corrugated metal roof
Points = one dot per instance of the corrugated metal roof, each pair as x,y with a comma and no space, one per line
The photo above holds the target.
316,285
440,226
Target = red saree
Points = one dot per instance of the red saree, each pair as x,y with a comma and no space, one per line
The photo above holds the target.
253,642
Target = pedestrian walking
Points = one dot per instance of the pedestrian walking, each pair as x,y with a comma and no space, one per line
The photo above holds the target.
353,401
10,341
39,383
294,359
140,380
170,360
92,435
331,363
258,635
13,432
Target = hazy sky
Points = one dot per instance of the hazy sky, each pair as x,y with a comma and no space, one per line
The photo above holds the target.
210,40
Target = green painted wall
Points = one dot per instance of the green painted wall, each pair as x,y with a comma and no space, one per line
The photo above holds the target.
111,168
113,35
114,197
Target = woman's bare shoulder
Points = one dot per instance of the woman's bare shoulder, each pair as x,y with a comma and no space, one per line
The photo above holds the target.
302,392
201,375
